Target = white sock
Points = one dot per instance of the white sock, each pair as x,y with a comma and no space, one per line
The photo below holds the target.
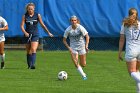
2,57
80,70
138,87
136,76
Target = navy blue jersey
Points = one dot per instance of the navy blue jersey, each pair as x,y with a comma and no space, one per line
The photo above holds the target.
31,23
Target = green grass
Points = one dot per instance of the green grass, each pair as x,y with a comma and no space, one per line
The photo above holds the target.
105,74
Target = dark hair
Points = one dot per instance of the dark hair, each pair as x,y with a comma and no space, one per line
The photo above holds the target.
130,20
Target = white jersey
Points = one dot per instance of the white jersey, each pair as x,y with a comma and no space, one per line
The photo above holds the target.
77,41
3,23
132,35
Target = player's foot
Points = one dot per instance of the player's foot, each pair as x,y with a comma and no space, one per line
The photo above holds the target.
84,78
32,67
2,65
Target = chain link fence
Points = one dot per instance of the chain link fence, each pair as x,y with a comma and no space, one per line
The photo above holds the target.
56,43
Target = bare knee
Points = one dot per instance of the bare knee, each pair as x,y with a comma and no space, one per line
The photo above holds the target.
83,64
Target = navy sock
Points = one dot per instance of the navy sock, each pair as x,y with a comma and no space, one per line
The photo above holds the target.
28,60
33,58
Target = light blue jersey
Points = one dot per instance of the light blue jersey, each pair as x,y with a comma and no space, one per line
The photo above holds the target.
132,35
77,40
3,23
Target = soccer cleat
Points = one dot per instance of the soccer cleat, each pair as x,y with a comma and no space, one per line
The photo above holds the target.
2,65
32,67
84,78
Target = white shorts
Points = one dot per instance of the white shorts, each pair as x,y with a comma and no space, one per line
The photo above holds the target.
80,52
135,56
2,38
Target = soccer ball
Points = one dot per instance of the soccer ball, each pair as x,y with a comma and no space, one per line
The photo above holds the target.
62,75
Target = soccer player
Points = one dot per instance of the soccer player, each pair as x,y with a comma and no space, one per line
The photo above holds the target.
31,19
78,45
3,27
130,31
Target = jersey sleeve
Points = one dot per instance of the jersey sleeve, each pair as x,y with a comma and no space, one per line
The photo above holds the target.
66,33
83,30
122,29
4,22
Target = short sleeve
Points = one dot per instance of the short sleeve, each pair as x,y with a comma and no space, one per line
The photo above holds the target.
83,30
122,29
66,32
4,23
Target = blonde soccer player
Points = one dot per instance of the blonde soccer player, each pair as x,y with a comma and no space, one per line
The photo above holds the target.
31,33
130,31
78,44
3,27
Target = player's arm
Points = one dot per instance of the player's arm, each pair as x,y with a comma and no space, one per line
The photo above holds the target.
87,41
121,45
4,24
85,33
66,44
4,28
22,27
42,24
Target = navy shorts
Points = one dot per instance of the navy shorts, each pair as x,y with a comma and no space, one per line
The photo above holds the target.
31,38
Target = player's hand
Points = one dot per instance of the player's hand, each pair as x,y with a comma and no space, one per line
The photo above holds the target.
87,50
51,35
26,34
120,58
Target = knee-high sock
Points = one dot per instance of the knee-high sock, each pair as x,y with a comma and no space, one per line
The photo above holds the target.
138,87
29,59
2,57
135,76
80,70
33,58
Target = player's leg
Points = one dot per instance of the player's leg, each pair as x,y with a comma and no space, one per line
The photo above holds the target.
138,65
27,41
82,54
76,63
137,68
34,46
74,57
2,55
132,69
138,83
83,60
29,55
131,66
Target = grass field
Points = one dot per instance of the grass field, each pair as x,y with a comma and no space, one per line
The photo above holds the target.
105,74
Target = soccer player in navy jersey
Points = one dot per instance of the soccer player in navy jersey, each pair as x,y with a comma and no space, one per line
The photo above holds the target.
78,44
3,27
31,19
130,31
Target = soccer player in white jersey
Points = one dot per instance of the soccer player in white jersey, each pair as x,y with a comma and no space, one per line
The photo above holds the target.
130,31
78,45
3,27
